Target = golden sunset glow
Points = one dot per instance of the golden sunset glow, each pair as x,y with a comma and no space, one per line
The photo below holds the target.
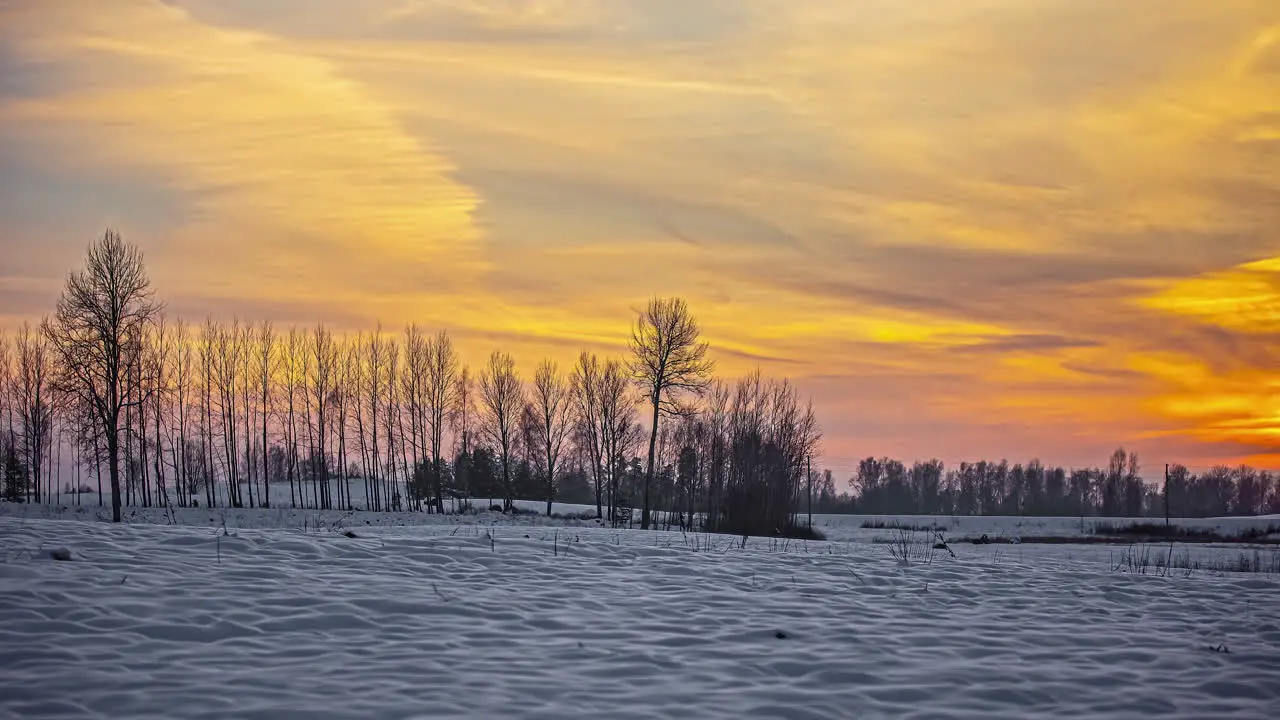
990,228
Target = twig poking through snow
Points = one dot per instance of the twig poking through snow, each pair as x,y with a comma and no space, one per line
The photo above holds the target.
942,544
440,594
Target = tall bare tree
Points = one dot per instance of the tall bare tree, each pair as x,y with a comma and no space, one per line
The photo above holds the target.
182,384
619,428
247,382
267,366
462,422
9,439
375,373
294,350
208,342
159,367
585,388
102,306
397,450
553,403
441,395
348,406
668,360
226,357
414,380
34,402
322,381
502,401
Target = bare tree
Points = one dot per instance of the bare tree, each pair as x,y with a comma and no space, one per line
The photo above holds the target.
585,386
182,398
226,357
247,383
158,366
462,422
714,450
393,415
267,366
33,400
208,340
414,380
441,395
767,437
359,374
322,380
8,443
502,400
100,308
668,360
553,404
6,383
294,350
619,428
344,363
374,373
353,385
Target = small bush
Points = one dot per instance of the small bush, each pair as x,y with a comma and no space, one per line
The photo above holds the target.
1144,559
1159,531
909,547
899,525
802,531
585,515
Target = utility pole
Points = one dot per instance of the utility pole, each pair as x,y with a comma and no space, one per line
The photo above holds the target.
1166,495
809,471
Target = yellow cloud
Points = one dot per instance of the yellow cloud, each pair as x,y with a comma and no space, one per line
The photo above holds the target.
1245,298
268,144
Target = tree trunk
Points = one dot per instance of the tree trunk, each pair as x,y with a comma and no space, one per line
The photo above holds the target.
113,468
266,470
648,476
599,494
160,486
551,483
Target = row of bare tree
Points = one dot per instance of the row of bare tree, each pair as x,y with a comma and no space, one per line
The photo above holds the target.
884,486
232,412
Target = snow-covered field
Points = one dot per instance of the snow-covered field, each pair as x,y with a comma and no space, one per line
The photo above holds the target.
844,526
282,614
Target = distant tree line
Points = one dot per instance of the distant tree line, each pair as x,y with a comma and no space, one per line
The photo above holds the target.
241,414
888,487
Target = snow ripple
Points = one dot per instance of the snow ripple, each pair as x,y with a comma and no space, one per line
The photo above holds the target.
165,622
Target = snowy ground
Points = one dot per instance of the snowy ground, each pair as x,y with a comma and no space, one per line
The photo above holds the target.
845,526
430,616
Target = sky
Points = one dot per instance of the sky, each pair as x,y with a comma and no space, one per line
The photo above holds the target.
968,228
